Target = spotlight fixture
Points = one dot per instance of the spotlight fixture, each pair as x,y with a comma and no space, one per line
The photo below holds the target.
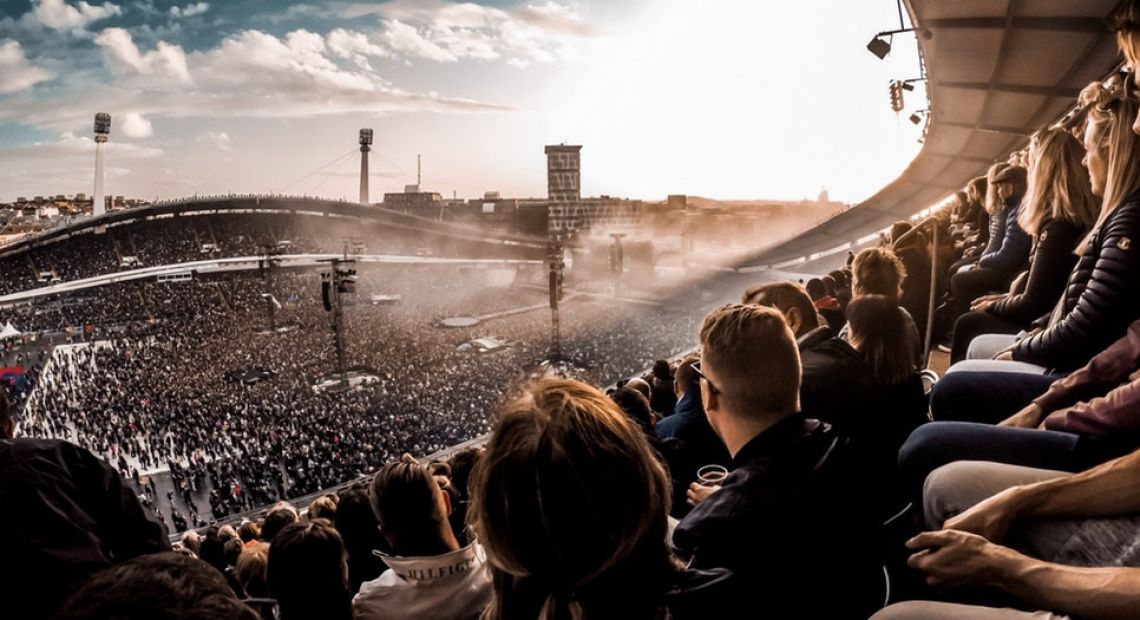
907,86
880,45
916,118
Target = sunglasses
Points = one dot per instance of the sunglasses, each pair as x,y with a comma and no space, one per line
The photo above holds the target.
712,386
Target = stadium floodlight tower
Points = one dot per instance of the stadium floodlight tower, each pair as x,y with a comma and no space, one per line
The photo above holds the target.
102,132
365,146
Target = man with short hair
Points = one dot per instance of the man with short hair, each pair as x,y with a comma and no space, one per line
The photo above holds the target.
429,575
837,384
280,516
785,520
65,514
689,443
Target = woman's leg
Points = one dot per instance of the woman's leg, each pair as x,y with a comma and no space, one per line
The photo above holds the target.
986,346
974,324
987,397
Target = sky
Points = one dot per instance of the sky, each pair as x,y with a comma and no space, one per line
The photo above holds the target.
729,99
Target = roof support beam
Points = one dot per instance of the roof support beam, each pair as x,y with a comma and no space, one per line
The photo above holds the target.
1052,24
1045,91
1013,131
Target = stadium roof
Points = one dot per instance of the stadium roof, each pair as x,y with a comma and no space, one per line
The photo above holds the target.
998,70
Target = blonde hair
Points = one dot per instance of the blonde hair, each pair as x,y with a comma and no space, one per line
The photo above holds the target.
1111,117
1059,186
754,357
570,505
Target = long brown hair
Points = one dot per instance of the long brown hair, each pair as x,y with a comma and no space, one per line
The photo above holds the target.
1059,186
880,331
570,504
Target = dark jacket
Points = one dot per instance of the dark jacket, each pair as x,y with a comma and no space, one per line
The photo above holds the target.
1101,300
688,443
65,514
787,522
1012,254
995,232
837,382
1050,264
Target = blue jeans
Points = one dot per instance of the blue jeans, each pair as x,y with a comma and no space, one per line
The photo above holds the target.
987,397
936,444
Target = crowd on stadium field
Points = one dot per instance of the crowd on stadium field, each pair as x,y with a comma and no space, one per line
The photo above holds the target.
799,465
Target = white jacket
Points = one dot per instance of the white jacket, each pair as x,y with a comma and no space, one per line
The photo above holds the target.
452,586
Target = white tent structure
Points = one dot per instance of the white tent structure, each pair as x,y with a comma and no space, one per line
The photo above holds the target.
10,332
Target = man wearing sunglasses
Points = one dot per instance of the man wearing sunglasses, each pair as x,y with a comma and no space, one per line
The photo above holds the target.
784,519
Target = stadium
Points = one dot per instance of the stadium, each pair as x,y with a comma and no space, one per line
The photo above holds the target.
920,406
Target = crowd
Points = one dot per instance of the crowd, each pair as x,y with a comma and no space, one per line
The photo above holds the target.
794,467
162,395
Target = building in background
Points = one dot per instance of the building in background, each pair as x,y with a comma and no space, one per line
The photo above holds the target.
563,187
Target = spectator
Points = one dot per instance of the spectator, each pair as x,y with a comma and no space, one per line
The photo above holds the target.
462,463
160,585
429,574
661,383
773,522
837,384
688,442
1074,540
67,515
1059,210
251,567
324,507
878,271
250,533
280,516
307,572
825,304
357,526
636,407
570,503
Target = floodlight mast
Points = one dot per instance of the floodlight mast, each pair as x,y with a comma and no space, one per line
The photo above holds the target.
365,147
102,134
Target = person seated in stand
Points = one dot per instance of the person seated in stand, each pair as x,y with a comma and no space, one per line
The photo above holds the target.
429,574
825,304
661,383
570,503
66,514
307,574
878,271
1100,300
1058,211
160,585
1072,423
836,381
774,520
1073,540
688,442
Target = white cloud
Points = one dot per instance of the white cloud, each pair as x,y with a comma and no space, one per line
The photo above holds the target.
354,46
135,126
70,145
190,10
16,73
448,31
216,138
405,38
59,15
166,62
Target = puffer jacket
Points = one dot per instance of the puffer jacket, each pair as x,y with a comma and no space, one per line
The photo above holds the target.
996,230
1050,264
1101,300
1013,251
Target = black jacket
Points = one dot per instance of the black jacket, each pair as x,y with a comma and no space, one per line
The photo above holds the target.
996,230
788,523
688,443
65,514
1101,300
837,383
1050,264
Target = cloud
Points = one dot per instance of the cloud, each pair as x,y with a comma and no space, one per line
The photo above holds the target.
59,15
355,47
70,145
135,126
190,10
405,38
218,139
166,61
16,73
448,31
251,74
